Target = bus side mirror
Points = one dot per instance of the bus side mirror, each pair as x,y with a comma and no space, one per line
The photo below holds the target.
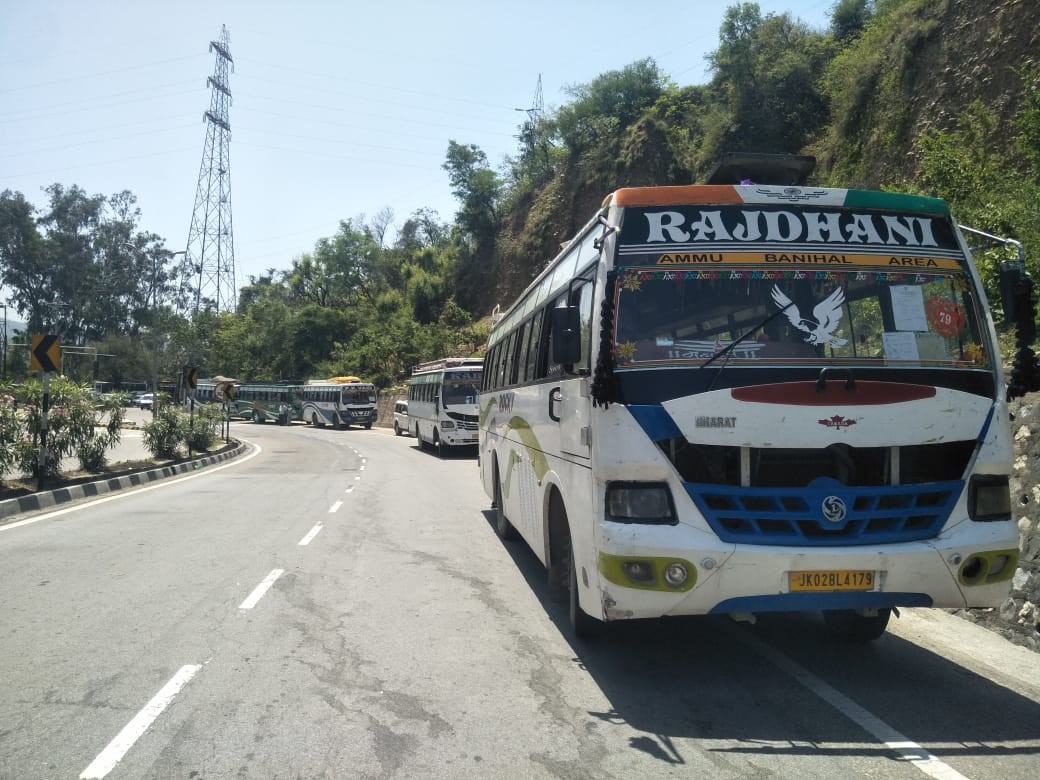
565,335
1013,280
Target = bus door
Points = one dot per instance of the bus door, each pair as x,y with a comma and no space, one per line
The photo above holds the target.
570,399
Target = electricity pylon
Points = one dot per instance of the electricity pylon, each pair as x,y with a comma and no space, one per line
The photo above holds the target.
208,272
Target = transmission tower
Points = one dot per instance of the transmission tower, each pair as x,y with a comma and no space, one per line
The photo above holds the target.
534,113
208,272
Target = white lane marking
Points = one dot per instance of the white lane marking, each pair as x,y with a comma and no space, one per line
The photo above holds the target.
261,589
132,731
349,489
310,535
335,507
135,491
906,748
362,467
356,478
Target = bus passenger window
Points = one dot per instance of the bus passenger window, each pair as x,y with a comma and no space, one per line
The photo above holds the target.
534,349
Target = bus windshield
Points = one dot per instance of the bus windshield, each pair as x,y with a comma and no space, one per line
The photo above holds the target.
852,316
359,395
460,387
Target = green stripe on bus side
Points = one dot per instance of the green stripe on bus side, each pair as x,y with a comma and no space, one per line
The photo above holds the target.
534,452
896,201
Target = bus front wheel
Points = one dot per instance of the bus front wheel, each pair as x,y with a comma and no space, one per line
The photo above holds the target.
503,527
854,626
438,444
585,626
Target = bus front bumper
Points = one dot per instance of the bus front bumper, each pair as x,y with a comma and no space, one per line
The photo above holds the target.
968,565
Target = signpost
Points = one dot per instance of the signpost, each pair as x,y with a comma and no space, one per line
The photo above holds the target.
44,356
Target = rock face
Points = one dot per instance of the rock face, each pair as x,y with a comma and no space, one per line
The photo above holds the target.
1018,618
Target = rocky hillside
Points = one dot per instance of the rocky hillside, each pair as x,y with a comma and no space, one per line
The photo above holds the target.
923,72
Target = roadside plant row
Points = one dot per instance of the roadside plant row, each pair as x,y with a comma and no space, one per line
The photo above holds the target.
81,424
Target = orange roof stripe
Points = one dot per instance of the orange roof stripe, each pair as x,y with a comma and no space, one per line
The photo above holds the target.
677,195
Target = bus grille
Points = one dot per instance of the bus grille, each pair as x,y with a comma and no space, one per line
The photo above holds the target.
799,516
464,422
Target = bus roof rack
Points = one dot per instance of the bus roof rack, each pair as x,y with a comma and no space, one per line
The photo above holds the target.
756,168
451,362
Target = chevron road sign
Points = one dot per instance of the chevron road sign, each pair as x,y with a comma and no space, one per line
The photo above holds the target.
45,353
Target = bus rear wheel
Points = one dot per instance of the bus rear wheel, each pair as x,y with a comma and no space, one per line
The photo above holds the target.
851,625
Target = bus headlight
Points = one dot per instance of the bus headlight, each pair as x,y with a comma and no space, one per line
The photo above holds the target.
447,425
676,574
640,502
989,498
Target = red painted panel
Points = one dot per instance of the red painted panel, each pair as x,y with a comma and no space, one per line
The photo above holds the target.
834,393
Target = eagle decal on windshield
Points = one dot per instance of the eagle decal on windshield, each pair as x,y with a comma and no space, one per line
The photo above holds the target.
826,316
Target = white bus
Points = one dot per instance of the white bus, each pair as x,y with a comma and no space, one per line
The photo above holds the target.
339,402
735,399
442,402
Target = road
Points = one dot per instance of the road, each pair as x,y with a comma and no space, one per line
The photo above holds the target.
337,605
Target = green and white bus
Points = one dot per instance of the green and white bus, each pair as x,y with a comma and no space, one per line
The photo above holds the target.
745,398
260,402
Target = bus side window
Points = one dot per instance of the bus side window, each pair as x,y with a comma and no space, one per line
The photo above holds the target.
520,374
535,366
500,370
552,369
585,317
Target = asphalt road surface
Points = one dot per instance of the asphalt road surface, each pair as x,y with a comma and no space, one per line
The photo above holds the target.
336,605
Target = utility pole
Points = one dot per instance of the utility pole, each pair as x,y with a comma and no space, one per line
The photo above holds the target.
208,270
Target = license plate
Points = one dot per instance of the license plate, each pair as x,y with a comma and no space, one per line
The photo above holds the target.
839,579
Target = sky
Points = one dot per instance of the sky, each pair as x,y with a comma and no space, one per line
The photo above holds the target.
340,109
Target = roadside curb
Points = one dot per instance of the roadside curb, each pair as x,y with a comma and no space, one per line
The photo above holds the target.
51,498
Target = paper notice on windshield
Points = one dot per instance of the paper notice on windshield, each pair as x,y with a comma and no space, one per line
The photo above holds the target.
901,345
908,307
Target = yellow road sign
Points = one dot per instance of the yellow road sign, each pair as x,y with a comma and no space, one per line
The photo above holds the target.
45,352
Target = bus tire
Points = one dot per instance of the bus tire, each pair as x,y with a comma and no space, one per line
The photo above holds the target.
503,527
368,426
438,444
256,417
850,626
283,419
585,626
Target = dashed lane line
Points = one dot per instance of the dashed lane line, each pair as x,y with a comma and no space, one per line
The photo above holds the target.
132,731
261,589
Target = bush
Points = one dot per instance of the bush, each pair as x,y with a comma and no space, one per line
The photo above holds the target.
163,435
71,418
201,432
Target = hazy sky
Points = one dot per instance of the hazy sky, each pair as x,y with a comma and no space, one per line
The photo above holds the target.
340,108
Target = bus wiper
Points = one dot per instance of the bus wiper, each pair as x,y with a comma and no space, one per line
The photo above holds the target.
733,344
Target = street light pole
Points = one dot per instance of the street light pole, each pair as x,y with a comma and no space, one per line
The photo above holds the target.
155,326
155,334
5,342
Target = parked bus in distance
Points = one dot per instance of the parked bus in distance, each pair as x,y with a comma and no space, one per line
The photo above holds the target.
442,402
743,398
263,401
339,402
